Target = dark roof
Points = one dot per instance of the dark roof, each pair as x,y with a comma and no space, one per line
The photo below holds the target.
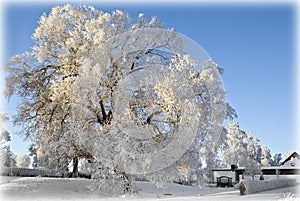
294,155
228,169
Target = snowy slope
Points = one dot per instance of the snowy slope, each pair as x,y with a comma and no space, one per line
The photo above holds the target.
38,188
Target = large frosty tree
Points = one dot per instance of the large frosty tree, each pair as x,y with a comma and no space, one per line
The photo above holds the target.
126,96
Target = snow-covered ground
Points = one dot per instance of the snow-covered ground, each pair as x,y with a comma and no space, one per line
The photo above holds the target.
41,188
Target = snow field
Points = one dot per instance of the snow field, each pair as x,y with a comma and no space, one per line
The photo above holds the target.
41,188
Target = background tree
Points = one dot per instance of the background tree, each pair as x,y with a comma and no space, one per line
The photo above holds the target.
266,158
24,161
287,154
254,148
7,157
276,161
242,149
258,150
33,153
253,166
235,152
43,160
5,136
99,87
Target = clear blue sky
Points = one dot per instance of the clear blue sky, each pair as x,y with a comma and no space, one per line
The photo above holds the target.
255,44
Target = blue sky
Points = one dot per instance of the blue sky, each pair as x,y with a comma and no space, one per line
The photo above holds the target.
254,43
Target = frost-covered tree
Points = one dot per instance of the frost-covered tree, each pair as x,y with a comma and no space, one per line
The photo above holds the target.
43,161
287,154
242,149
212,156
254,148
24,161
40,159
33,153
276,161
257,150
7,157
266,158
126,96
236,150
5,136
253,166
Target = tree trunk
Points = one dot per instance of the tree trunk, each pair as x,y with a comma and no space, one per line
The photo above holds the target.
126,183
75,167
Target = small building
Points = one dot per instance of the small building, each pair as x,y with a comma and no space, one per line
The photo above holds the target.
292,161
234,172
289,168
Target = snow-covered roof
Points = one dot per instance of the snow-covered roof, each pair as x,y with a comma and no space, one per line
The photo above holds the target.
227,169
293,155
280,168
